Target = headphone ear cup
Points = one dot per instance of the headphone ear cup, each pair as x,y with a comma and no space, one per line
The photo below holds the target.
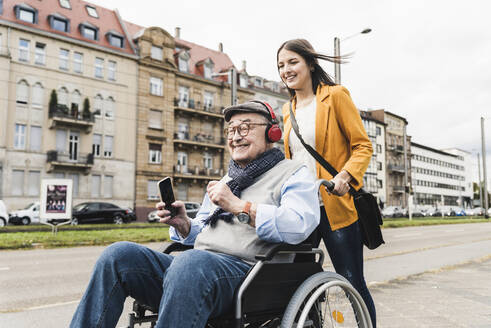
273,133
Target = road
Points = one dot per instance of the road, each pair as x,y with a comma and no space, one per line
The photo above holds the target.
41,288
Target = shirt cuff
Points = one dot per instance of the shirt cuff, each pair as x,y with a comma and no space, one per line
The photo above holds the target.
189,240
266,223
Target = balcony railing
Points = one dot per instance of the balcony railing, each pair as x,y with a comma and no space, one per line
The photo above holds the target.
398,189
197,172
198,107
61,160
199,139
61,115
396,168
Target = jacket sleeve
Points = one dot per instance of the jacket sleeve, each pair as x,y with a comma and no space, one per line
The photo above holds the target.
350,123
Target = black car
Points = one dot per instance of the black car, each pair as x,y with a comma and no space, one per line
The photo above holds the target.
99,212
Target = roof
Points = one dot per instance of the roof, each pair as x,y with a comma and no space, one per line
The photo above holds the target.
432,149
107,22
198,53
368,116
133,29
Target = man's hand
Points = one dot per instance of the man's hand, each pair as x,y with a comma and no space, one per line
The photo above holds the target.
181,221
341,183
221,195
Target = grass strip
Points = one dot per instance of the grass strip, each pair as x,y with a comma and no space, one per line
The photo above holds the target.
405,222
45,239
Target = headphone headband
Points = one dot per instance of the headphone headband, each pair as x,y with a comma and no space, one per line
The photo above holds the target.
269,108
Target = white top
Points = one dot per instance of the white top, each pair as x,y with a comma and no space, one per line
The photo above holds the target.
305,117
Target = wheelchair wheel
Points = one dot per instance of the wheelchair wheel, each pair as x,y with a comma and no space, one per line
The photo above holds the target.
326,299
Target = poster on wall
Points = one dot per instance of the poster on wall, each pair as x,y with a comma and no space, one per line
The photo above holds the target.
56,200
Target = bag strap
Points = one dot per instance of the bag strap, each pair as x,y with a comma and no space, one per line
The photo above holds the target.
314,153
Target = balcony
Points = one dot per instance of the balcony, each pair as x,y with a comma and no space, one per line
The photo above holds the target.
396,168
197,173
398,189
61,116
197,109
61,161
199,140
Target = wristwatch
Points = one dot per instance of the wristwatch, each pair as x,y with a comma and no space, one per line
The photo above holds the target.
244,216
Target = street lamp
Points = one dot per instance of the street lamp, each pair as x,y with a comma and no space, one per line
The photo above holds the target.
337,53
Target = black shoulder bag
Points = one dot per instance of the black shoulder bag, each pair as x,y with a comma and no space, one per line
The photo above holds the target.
369,215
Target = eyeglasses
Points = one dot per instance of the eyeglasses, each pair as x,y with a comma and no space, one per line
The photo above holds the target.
243,129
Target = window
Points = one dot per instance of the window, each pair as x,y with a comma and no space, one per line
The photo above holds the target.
182,191
379,166
99,68
40,54
111,70
59,24
258,82
208,161
379,149
109,108
34,182
156,53
116,40
155,119
96,144
20,136
98,106
61,136
152,189
22,92
182,162
183,63
24,50
378,130
65,4
89,32
78,59
379,184
64,54
108,146
183,96
108,186
96,186
26,13
208,100
156,86
243,81
208,70
155,154
63,96
17,187
92,11
76,100
74,177
35,138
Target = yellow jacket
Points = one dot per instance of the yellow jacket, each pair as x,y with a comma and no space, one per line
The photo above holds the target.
341,139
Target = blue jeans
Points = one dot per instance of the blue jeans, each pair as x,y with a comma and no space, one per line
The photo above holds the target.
187,289
345,249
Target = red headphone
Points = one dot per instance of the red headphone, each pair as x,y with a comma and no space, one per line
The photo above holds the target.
273,131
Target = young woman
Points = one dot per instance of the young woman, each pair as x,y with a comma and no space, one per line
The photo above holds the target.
329,122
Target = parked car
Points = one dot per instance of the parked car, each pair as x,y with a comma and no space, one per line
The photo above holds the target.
99,212
458,211
192,209
478,211
417,212
130,214
392,212
28,215
4,217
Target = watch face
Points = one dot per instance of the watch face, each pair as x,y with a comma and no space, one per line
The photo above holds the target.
243,217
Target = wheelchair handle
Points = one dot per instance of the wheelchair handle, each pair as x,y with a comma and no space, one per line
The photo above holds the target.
328,184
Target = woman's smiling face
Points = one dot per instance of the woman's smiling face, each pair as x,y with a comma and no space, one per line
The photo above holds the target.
294,70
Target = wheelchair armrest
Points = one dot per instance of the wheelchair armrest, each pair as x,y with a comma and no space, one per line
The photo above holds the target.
268,253
176,247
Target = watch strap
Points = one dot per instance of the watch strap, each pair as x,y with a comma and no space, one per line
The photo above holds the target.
247,208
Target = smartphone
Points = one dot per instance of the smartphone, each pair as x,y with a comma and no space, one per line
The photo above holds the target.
167,195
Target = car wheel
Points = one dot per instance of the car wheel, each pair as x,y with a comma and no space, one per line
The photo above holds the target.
74,221
25,220
2,222
118,219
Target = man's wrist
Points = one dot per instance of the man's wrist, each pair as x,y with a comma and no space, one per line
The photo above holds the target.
184,228
240,207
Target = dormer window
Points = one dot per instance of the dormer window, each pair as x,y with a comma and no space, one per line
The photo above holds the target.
59,23
26,13
89,31
65,4
156,53
183,62
92,11
258,82
115,39
243,81
208,68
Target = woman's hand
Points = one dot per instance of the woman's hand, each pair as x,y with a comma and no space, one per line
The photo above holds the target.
181,221
341,183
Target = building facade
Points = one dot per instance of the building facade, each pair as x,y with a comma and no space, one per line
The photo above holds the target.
441,177
397,156
69,103
374,180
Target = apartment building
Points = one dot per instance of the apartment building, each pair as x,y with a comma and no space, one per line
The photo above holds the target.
441,177
397,157
69,102
374,180
183,88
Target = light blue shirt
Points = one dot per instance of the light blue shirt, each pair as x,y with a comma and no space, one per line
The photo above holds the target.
291,222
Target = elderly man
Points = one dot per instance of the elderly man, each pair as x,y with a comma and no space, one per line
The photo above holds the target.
263,199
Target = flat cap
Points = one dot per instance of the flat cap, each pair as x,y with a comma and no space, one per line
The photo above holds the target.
253,106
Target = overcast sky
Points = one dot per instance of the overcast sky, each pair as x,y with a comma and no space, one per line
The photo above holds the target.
428,61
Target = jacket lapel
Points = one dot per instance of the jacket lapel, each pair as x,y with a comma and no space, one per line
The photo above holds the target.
288,127
321,118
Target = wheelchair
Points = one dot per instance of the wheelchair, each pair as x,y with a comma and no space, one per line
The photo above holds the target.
297,294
